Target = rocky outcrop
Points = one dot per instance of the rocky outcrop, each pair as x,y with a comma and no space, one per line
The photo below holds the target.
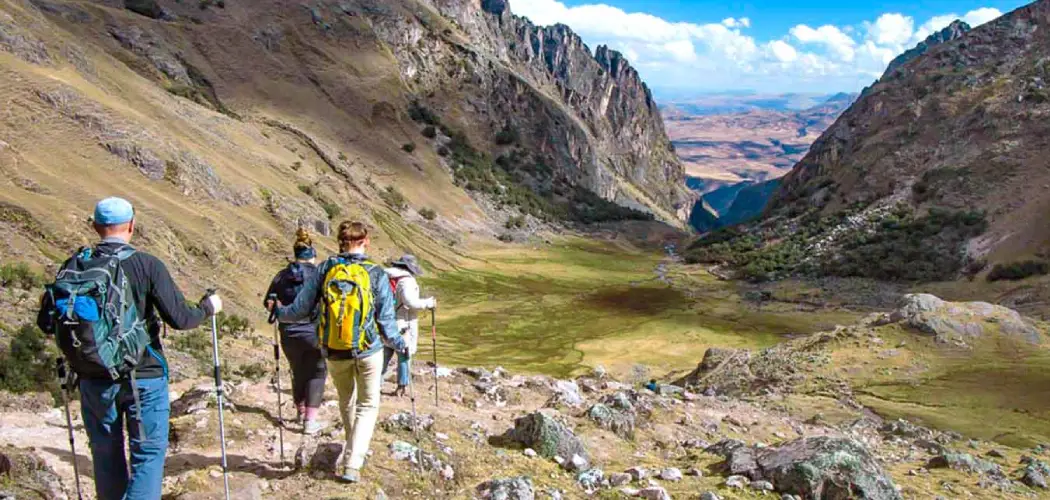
961,322
518,488
820,467
545,434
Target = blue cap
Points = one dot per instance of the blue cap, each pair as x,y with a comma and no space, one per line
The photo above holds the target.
113,211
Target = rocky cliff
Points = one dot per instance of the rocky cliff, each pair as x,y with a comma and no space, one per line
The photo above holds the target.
587,113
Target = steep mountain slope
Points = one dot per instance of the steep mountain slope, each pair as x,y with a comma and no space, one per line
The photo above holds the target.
230,123
938,172
963,127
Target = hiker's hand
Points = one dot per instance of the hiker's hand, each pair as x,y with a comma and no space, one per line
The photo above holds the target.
271,304
211,304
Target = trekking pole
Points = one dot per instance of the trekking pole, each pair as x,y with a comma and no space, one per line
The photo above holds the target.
65,385
434,340
415,417
277,374
218,397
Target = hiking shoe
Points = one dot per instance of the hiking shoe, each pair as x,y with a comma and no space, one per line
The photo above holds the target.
350,475
312,427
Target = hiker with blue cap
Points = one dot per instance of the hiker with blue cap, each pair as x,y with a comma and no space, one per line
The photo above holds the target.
299,338
402,273
105,309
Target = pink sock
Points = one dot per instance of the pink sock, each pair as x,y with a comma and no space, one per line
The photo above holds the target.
311,414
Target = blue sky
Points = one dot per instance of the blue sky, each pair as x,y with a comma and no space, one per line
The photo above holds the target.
761,45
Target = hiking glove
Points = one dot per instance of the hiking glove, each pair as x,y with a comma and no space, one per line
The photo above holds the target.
211,304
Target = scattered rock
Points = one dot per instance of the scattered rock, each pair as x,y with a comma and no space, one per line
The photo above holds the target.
709,495
654,493
637,473
202,399
576,463
619,479
762,486
619,422
964,462
529,452
738,482
671,474
518,488
591,479
566,393
549,437
995,454
694,472
402,420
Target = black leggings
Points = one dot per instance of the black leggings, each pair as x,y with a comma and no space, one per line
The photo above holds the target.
308,370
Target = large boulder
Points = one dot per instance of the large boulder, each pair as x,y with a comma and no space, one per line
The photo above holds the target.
23,474
545,434
961,322
517,488
819,467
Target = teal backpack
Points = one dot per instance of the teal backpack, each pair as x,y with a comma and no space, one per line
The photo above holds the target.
95,320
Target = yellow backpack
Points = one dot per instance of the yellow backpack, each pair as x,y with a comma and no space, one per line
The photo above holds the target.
347,322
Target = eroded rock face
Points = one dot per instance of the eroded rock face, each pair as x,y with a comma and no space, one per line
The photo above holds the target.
819,467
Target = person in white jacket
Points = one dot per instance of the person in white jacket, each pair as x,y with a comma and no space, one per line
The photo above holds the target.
402,274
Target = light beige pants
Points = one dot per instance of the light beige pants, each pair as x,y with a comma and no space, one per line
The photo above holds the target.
358,382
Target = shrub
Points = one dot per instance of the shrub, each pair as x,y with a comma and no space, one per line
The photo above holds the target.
1016,271
27,364
429,132
419,113
515,222
196,344
393,198
20,275
428,213
443,151
342,156
507,135
331,209
506,237
307,189
232,324
408,147
297,165
252,371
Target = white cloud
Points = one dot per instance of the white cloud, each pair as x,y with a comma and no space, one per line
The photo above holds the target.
718,55
783,51
839,43
732,22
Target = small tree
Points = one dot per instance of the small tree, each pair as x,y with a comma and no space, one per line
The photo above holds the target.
429,132
428,213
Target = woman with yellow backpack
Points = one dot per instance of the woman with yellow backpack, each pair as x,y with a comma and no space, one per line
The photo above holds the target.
356,318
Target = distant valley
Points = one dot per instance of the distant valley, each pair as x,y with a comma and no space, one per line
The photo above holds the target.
736,143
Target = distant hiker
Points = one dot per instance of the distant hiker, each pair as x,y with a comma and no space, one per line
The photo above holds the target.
356,318
403,273
299,339
651,385
105,309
